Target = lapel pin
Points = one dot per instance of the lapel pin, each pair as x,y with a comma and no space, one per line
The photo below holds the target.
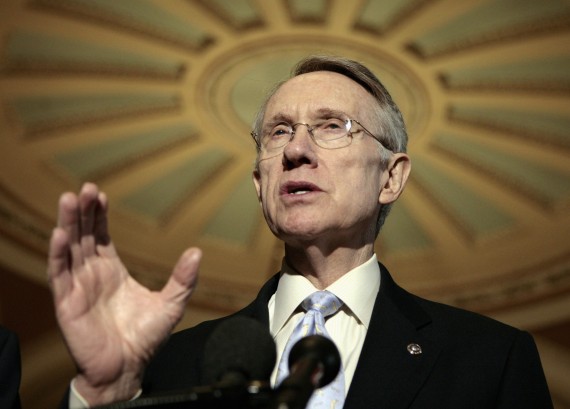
414,349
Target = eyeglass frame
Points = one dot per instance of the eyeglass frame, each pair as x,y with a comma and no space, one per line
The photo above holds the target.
310,129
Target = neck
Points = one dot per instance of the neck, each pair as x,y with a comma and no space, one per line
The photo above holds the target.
321,267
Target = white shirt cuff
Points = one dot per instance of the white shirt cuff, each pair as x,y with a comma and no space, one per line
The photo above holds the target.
76,401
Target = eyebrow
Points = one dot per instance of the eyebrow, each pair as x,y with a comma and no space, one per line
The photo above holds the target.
278,118
331,113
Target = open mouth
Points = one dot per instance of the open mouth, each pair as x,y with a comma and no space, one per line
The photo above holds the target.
298,188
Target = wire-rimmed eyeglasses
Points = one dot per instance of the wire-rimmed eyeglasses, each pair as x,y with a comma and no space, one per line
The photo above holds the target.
333,133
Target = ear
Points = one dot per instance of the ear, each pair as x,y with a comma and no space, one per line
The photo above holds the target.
398,170
256,177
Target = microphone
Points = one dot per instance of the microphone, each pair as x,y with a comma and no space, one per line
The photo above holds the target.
239,357
239,350
314,362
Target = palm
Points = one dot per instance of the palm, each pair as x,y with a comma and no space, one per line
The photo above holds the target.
110,322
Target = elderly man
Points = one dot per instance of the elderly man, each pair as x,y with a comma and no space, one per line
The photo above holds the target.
330,162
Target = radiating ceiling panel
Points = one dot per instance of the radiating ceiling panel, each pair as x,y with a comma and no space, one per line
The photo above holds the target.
380,15
492,21
93,161
547,73
44,113
548,127
158,198
237,13
39,52
142,16
537,181
308,10
474,214
238,216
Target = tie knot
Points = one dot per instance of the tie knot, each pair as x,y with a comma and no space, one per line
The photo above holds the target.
323,301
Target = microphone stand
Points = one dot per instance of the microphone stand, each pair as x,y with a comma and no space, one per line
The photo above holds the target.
251,395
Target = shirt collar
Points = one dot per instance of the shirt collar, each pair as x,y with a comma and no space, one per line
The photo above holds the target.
357,288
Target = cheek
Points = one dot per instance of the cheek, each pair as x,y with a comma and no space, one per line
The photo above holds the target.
360,176
363,185
268,192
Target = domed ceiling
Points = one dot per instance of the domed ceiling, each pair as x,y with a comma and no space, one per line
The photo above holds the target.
153,101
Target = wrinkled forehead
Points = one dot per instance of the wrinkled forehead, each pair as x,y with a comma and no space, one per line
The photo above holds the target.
319,91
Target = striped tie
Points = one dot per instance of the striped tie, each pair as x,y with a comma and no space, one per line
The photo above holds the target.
318,305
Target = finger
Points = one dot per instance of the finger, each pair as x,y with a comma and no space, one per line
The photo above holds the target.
59,277
103,241
88,203
184,277
68,220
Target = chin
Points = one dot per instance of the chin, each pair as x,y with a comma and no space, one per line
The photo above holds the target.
299,232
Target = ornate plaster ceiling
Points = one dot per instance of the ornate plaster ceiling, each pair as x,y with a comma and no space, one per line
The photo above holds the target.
153,101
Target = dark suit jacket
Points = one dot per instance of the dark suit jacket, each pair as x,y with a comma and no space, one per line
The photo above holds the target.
467,360
9,370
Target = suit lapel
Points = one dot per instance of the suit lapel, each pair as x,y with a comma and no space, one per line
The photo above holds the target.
387,374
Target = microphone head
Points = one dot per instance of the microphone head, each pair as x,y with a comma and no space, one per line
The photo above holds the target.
239,350
323,350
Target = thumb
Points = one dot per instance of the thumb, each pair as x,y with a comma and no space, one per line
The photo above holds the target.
184,277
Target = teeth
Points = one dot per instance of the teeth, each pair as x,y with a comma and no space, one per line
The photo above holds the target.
300,192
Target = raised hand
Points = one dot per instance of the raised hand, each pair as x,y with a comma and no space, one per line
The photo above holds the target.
112,325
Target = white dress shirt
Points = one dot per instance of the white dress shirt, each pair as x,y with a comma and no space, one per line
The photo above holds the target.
357,289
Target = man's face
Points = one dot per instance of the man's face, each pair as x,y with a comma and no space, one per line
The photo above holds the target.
309,193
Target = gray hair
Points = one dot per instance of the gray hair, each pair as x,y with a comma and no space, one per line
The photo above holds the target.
389,118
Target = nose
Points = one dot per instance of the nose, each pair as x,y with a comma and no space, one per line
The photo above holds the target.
301,148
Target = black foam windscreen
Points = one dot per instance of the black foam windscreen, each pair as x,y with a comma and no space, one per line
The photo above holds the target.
320,349
239,347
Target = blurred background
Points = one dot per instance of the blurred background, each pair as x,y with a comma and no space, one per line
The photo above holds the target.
153,101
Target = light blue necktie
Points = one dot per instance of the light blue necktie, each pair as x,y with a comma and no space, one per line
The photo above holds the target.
318,305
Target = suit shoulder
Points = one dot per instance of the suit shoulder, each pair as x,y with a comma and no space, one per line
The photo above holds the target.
468,323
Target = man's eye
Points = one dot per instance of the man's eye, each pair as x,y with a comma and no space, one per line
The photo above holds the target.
332,124
280,131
